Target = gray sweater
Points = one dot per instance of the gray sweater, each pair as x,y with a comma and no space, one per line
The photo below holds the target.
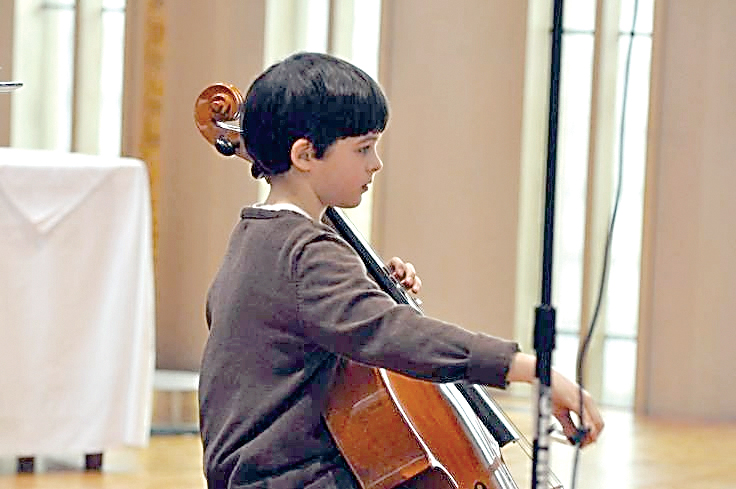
290,299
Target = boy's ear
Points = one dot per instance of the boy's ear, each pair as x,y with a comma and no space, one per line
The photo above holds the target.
302,154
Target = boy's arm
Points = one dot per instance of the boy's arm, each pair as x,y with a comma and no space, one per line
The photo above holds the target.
344,312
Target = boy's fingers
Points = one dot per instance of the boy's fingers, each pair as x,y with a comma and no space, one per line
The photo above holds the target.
592,416
409,274
592,423
396,265
567,424
405,273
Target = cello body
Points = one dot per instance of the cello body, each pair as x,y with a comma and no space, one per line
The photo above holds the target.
395,431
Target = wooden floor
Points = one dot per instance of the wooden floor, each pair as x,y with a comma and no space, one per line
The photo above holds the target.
633,453
638,453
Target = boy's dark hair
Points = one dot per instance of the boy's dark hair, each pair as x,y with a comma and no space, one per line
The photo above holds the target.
308,95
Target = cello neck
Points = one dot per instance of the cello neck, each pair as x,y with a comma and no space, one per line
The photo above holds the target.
373,263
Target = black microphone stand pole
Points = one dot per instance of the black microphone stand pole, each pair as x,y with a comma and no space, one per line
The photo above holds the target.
544,323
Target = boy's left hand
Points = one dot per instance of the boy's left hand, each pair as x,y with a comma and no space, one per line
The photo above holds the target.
405,274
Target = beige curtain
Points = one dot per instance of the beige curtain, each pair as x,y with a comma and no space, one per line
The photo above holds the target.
173,51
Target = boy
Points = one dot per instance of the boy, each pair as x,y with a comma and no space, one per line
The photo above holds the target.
292,298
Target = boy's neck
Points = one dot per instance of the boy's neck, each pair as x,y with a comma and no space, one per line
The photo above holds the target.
283,193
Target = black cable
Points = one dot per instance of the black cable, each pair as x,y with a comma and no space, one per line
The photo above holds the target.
609,236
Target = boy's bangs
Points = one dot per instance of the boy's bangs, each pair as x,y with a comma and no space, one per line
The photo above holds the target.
356,114
369,113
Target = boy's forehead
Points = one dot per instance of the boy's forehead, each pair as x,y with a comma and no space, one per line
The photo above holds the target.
371,136
358,140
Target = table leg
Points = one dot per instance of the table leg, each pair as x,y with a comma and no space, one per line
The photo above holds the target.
93,461
25,465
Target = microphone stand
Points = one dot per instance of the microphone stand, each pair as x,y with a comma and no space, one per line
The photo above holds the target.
544,323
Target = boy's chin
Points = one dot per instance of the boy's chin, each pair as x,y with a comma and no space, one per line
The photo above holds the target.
350,205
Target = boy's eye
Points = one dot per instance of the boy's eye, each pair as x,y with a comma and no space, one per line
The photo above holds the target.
364,149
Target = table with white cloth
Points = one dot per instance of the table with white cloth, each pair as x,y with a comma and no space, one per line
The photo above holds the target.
76,303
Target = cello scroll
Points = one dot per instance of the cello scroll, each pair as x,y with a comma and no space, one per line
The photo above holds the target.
217,115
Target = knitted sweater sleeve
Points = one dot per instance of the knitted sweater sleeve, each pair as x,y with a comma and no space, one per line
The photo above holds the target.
343,311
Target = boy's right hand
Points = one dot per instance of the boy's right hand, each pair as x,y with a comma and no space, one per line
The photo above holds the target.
565,400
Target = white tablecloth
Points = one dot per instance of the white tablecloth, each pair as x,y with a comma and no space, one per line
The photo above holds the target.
76,303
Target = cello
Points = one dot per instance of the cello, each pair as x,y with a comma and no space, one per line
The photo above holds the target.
394,431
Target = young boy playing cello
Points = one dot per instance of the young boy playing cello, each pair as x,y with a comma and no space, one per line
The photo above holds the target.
292,298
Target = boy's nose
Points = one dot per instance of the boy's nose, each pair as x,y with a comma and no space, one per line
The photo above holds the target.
377,165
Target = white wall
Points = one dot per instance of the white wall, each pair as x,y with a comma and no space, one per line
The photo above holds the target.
688,339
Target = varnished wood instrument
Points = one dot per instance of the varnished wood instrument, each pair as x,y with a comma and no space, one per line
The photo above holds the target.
393,430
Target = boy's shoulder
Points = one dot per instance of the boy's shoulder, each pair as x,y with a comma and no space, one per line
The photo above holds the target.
289,225
293,238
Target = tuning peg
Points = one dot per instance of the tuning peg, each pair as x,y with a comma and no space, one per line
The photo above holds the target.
224,146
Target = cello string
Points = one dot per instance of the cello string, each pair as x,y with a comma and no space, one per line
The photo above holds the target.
609,236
